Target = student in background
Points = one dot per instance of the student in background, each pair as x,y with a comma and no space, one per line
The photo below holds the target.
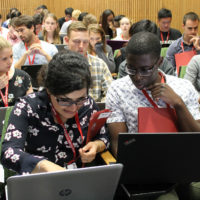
117,24
166,34
186,42
89,19
68,16
14,83
143,25
30,50
107,23
125,25
51,29
12,36
47,130
77,40
3,31
98,46
75,15
38,21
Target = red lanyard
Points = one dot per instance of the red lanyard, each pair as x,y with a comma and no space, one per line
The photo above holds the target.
5,98
149,98
161,35
183,46
29,59
67,134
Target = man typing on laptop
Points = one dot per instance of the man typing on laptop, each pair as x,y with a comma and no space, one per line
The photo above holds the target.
126,95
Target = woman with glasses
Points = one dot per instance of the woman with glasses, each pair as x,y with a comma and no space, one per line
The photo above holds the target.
47,130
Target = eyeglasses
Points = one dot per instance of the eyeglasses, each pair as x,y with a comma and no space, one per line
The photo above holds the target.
69,102
142,71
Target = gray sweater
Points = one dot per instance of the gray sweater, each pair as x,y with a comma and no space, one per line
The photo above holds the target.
193,72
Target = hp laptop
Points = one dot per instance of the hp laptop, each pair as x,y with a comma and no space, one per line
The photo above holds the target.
93,183
156,161
32,70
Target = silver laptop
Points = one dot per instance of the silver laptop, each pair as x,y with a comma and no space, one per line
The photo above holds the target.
93,183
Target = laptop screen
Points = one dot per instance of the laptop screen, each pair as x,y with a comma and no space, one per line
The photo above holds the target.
32,70
96,183
154,158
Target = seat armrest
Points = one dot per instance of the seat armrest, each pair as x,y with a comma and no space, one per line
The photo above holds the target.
108,158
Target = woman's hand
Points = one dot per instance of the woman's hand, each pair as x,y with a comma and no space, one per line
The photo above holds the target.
89,151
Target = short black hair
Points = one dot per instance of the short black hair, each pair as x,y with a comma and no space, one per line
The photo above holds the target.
68,11
82,15
144,43
15,14
190,16
38,18
164,13
143,25
41,7
68,71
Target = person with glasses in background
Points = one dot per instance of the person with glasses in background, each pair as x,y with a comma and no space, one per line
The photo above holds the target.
125,95
47,130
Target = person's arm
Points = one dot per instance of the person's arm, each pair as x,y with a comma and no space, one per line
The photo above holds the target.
192,70
186,122
122,69
38,49
30,90
13,155
46,166
18,64
116,121
114,129
167,67
89,151
109,60
170,55
106,80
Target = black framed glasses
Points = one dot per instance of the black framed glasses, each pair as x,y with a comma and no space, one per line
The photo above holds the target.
142,72
69,102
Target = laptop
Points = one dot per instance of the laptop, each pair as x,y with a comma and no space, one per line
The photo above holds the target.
32,70
91,183
61,47
117,44
153,158
155,162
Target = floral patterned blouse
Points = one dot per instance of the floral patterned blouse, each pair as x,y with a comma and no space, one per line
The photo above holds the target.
33,135
18,86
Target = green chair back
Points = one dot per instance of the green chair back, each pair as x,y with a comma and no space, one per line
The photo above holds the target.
182,71
163,51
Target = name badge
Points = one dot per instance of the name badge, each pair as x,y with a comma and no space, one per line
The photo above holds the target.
72,166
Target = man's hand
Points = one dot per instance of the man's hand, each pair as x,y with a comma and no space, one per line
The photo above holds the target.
164,92
196,42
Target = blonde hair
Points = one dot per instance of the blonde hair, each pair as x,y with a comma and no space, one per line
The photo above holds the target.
4,43
89,19
75,14
76,26
56,37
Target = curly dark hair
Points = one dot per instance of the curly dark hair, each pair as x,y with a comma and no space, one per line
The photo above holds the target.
67,71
